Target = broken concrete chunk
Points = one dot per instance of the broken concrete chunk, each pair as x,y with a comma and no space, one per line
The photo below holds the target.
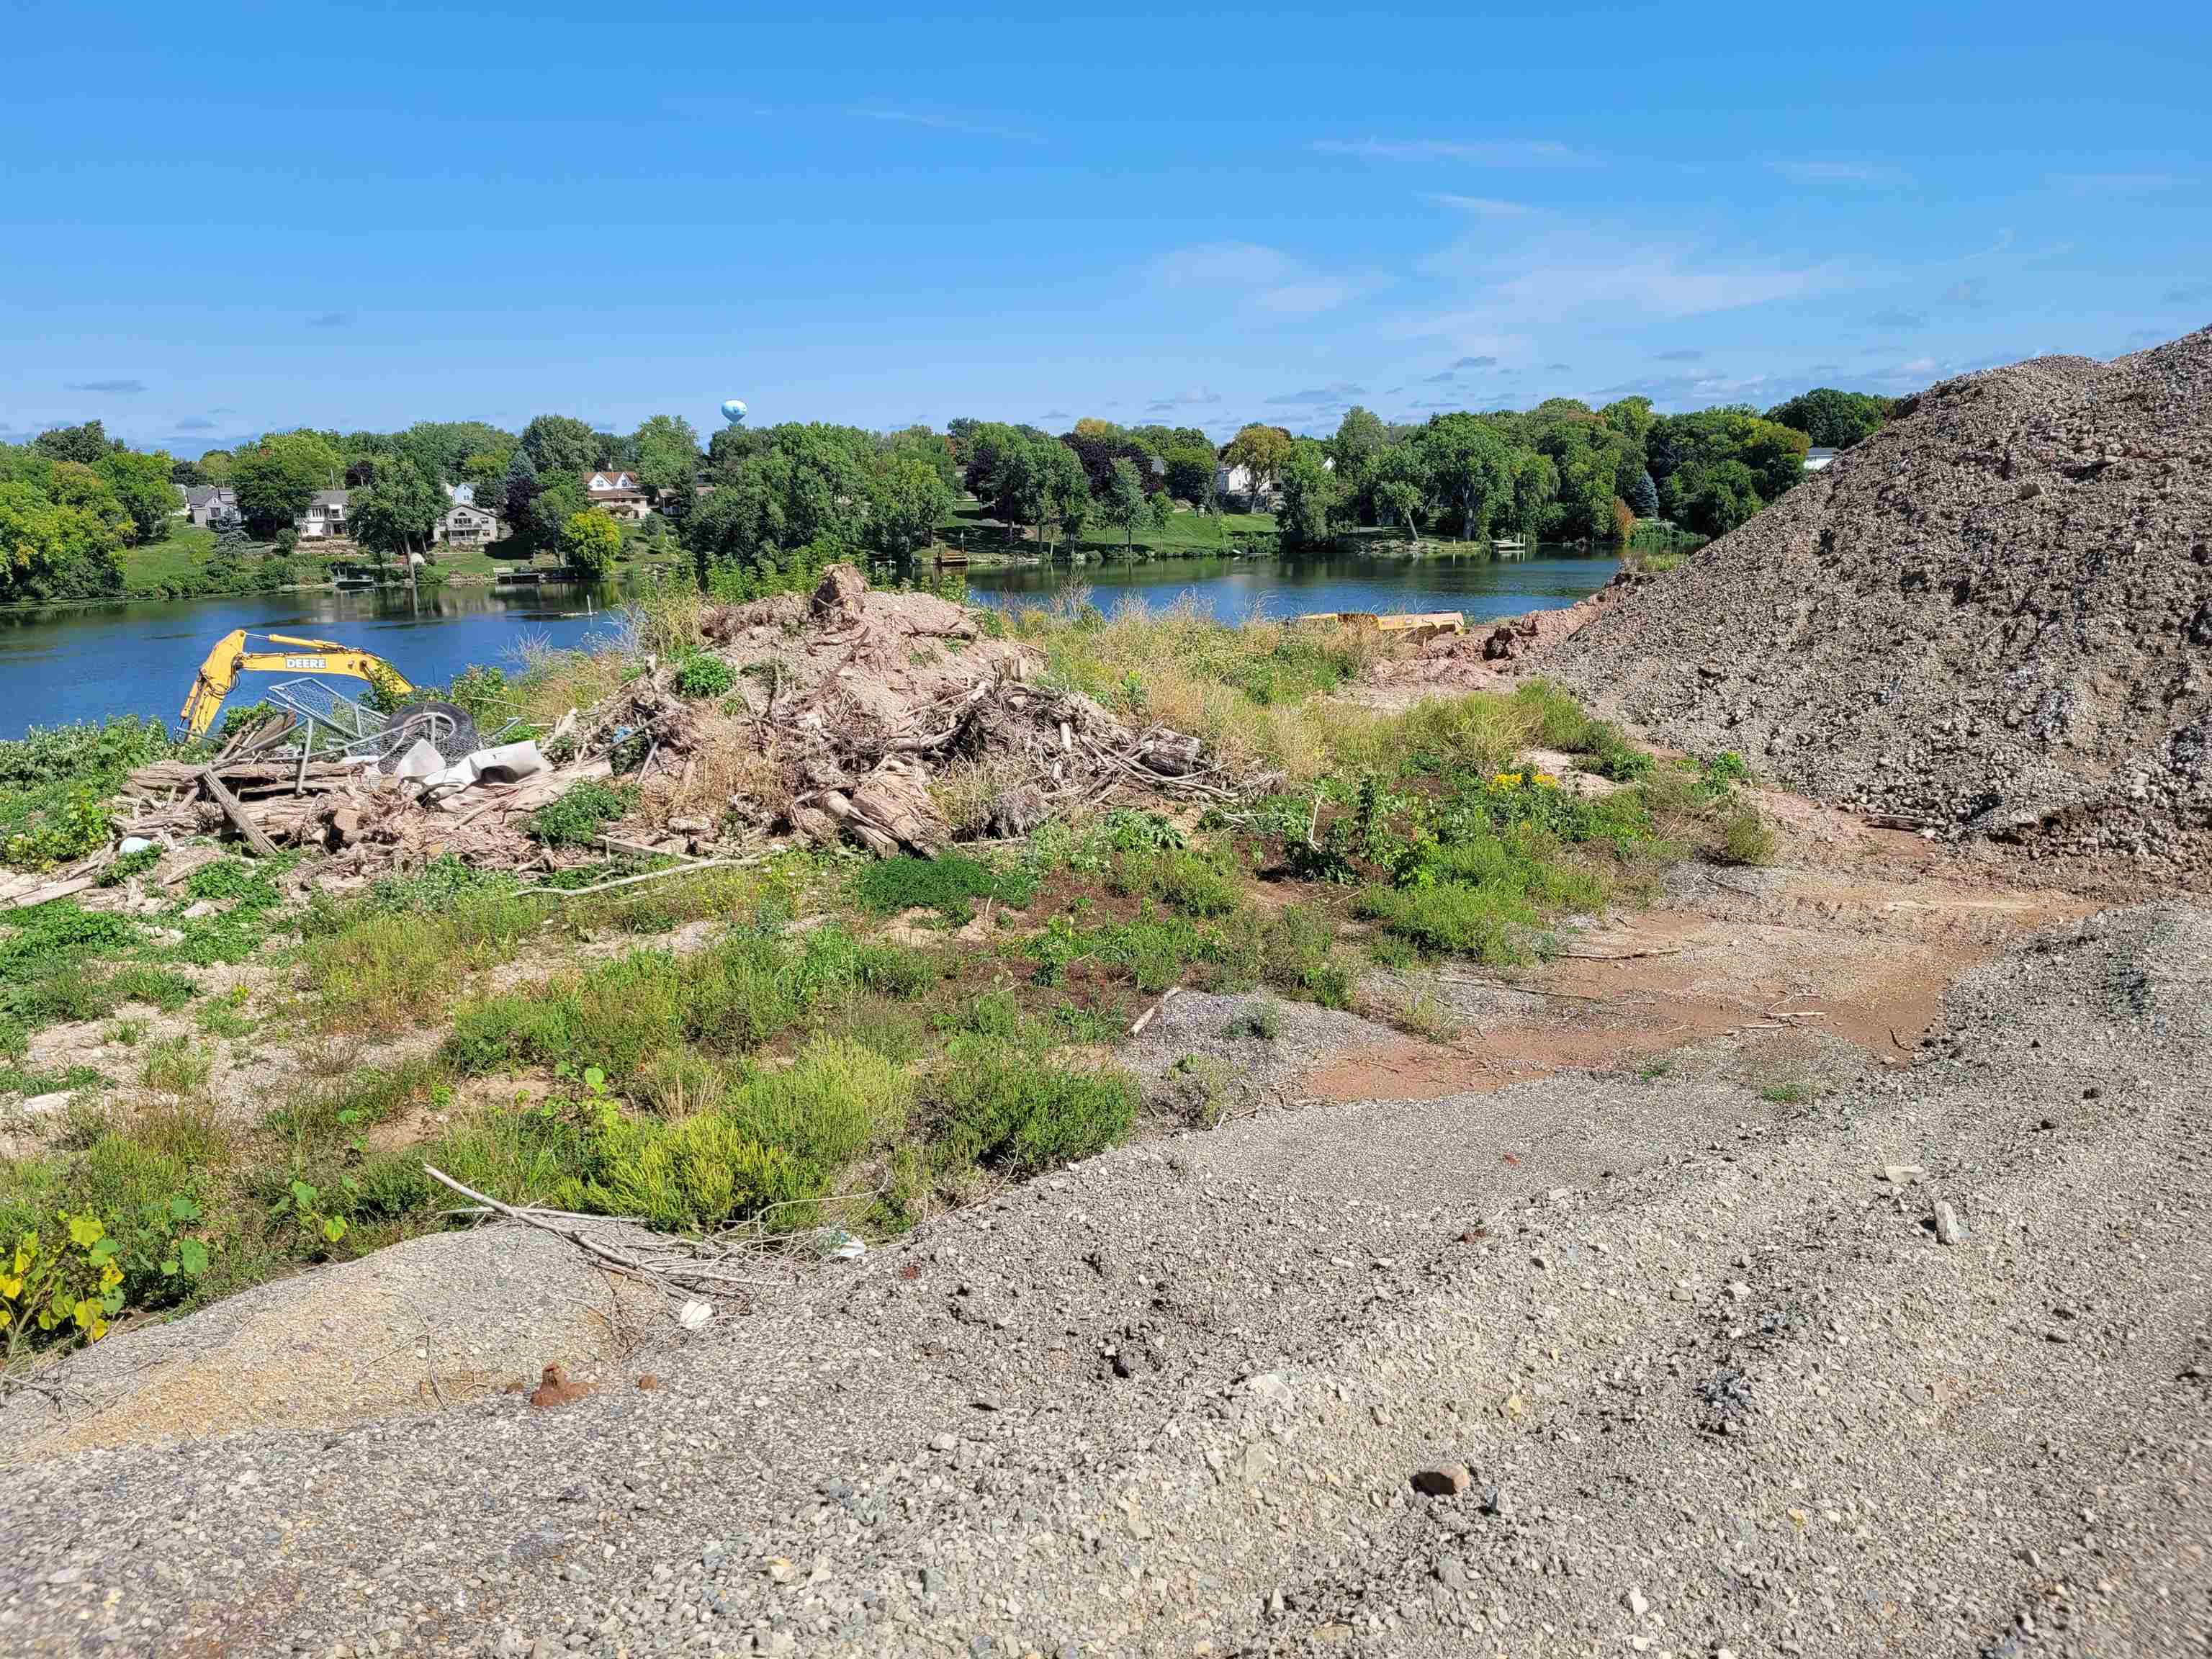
1949,1228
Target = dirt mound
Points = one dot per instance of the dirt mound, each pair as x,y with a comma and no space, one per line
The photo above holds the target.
1990,617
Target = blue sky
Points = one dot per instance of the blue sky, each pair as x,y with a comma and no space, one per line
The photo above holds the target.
225,218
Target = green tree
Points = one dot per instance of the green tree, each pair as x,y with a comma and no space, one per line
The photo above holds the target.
1191,468
1535,486
441,448
1834,419
1401,490
518,491
1123,503
278,477
1307,515
49,548
561,443
561,498
141,483
397,515
1357,447
215,465
906,500
82,444
1261,451
1063,493
1727,495
1644,496
666,452
589,542
1468,466
1400,500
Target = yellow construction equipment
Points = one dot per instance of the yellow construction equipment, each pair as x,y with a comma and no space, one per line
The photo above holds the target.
241,652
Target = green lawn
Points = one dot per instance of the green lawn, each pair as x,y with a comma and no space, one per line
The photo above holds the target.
1184,534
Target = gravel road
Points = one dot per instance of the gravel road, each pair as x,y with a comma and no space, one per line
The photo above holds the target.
1920,1367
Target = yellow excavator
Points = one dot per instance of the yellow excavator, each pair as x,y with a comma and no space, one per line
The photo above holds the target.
353,724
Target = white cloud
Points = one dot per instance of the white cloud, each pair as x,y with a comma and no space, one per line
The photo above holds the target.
1496,152
1265,279
1487,207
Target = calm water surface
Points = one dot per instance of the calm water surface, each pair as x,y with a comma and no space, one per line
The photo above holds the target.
1233,589
88,662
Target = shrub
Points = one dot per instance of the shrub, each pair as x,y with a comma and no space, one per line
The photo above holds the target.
1003,1109
1747,838
778,1146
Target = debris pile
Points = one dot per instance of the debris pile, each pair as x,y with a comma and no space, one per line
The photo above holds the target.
862,698
846,706
1991,618
1480,658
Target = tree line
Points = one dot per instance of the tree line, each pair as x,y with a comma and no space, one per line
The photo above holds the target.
73,499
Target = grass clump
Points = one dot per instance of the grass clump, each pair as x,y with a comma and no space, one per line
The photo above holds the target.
1258,1018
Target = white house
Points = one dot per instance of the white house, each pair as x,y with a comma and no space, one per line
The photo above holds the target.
466,525
615,489
461,494
325,517
1237,481
1818,459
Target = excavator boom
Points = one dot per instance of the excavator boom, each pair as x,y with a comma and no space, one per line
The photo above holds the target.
240,653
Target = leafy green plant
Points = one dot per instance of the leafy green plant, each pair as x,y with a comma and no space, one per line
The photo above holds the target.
303,1201
581,813
72,1286
1747,838
704,676
127,865
1719,775
77,826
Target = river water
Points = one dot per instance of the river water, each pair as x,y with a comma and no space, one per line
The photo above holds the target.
87,662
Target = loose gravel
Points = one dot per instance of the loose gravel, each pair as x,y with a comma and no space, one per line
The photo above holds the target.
1717,1383
1991,616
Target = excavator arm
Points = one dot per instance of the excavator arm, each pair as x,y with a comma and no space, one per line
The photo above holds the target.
241,652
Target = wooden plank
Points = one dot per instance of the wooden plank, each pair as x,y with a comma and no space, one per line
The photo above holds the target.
262,846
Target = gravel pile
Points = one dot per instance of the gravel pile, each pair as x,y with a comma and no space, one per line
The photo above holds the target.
1920,1367
1993,616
